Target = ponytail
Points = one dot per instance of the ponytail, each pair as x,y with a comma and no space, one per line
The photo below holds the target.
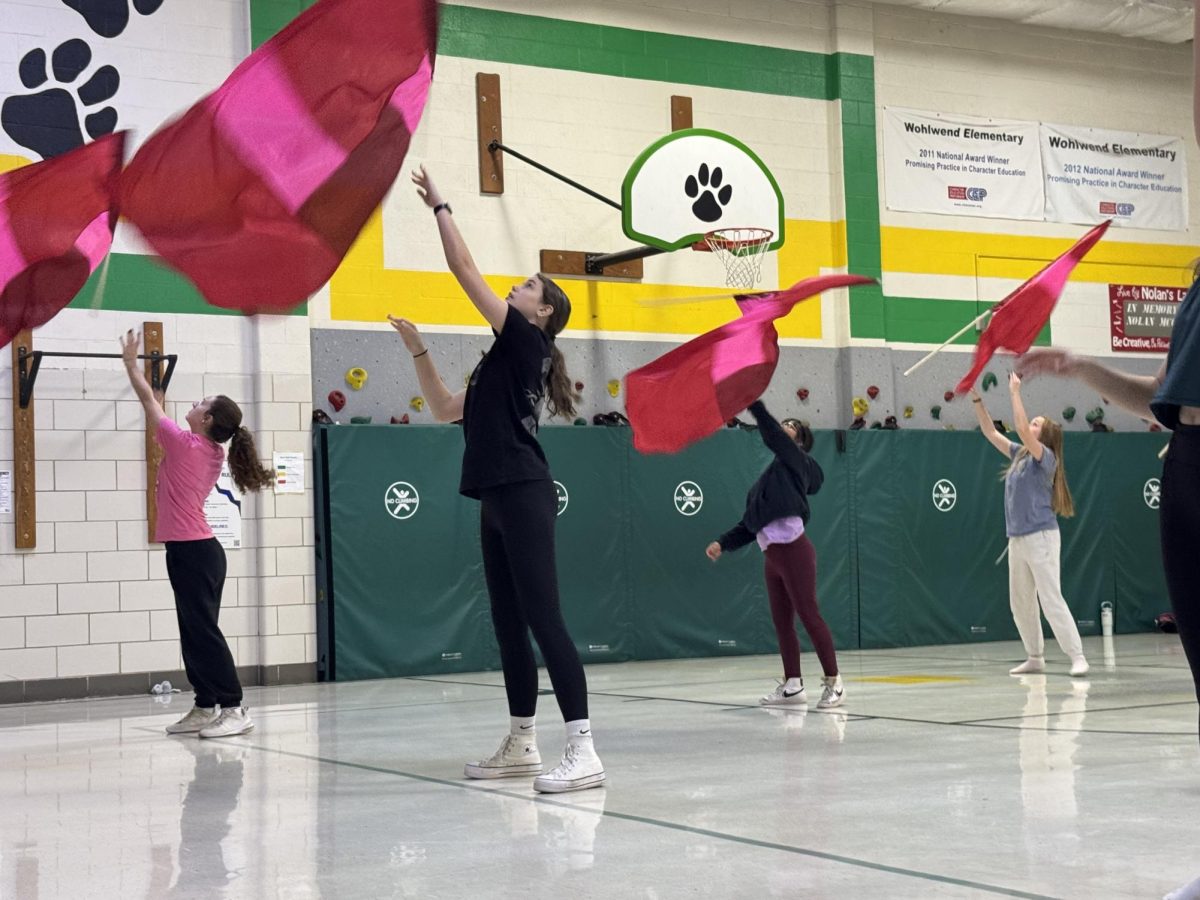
561,394
248,473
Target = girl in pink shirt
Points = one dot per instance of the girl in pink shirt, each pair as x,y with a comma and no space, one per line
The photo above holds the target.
190,466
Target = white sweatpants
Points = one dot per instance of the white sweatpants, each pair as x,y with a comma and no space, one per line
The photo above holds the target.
1033,576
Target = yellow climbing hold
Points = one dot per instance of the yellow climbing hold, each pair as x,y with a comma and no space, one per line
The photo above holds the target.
614,387
417,403
356,378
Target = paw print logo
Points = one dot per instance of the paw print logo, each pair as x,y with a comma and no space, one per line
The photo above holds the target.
108,18
52,121
710,197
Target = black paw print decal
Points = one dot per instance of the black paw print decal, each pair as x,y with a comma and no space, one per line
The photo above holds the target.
48,122
709,205
108,18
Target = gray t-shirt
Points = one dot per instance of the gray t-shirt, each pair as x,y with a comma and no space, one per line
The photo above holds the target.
1027,491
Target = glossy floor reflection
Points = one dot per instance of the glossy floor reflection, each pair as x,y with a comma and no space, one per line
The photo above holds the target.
941,777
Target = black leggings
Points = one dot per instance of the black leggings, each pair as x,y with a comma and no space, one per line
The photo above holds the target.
517,524
1179,521
197,573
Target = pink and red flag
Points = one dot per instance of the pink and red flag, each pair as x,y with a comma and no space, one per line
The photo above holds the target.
1019,317
257,192
692,391
55,229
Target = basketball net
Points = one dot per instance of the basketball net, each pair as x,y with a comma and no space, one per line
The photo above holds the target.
741,251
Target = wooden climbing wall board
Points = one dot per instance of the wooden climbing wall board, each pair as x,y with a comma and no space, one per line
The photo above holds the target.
152,342
24,454
681,113
487,116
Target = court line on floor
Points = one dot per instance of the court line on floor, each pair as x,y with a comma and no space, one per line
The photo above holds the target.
1088,711
661,823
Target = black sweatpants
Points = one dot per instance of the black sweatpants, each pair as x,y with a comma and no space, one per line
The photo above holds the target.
518,561
1179,523
197,573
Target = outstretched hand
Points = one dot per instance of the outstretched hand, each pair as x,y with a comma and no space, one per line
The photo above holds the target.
408,333
1014,382
130,342
1046,361
426,189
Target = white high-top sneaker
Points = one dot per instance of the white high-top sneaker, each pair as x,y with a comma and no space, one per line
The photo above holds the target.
232,720
786,693
580,768
198,717
832,692
518,755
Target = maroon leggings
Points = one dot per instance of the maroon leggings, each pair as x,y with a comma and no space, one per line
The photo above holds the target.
791,571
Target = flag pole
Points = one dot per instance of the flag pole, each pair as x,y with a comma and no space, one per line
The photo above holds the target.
950,340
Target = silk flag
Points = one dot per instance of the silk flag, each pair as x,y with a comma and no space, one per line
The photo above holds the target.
692,391
55,229
1017,319
257,192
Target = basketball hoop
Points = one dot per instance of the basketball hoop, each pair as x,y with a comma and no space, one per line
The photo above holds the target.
741,251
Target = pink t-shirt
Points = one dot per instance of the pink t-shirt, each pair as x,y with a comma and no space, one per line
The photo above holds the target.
190,468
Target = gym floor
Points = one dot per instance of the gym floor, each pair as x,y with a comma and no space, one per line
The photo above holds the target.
942,776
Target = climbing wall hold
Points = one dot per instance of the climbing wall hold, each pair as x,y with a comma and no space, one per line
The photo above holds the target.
1096,415
1068,414
320,417
580,421
337,400
360,420
935,412
858,424
872,392
579,386
860,407
802,394
989,380
417,403
356,378
890,424
948,396
1154,426
614,387
908,412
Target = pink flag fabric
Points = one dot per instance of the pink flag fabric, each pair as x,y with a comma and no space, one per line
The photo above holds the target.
55,229
258,191
692,391
1019,317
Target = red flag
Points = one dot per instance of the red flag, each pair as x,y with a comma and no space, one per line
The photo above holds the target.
1017,319
692,391
55,228
257,192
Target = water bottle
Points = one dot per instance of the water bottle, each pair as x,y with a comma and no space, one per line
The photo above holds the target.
1106,618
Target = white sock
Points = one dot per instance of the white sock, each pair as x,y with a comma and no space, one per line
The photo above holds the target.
579,730
521,725
793,684
1189,891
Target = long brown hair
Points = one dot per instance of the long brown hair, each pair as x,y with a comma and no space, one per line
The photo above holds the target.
561,394
1060,493
248,473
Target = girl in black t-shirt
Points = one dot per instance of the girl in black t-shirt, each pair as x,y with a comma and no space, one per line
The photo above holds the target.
505,469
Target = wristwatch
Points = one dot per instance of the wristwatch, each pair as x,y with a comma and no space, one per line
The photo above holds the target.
446,206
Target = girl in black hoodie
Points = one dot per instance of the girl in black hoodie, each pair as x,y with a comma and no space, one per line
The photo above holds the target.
776,516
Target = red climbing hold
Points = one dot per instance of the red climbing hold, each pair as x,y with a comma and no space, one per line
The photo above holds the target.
337,400
873,392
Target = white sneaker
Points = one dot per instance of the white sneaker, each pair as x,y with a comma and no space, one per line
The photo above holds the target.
1031,666
232,720
786,693
580,768
196,719
1079,667
832,693
518,755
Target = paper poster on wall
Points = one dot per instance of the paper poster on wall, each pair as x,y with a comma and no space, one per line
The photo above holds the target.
1143,316
1137,180
223,509
962,166
289,473
6,504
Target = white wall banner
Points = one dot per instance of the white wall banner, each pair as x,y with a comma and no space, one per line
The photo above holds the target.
1137,180
963,166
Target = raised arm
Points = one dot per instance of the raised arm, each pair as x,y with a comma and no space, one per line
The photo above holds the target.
150,403
445,406
458,257
988,427
1021,420
1131,392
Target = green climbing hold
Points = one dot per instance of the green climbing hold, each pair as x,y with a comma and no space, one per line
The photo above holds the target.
580,421
360,420
1096,415
989,380
935,411
1068,414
